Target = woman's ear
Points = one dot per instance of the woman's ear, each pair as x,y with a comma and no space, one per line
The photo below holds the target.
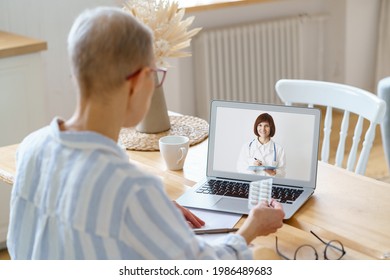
137,82
140,90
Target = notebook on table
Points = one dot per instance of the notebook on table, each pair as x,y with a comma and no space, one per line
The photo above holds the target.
236,157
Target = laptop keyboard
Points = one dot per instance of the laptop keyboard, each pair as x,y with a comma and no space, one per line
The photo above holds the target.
241,190
226,188
285,195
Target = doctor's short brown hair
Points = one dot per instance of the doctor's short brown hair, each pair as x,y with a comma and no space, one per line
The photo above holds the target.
265,118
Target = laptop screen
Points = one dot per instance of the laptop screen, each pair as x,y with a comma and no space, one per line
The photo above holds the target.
249,141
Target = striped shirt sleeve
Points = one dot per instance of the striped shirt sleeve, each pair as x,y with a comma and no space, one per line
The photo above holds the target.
157,228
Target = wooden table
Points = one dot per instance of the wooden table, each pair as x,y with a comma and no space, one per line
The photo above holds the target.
351,208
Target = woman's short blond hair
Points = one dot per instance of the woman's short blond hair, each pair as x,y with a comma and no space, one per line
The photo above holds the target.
105,45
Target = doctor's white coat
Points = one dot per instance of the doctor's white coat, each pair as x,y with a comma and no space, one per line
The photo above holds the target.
270,154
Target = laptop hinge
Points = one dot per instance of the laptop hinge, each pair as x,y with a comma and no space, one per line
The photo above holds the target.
288,186
228,179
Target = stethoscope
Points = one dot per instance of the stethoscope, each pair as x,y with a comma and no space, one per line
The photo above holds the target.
250,144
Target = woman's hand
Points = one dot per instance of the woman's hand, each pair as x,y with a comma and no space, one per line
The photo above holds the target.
192,220
262,220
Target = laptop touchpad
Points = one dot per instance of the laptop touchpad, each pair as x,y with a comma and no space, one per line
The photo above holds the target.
233,205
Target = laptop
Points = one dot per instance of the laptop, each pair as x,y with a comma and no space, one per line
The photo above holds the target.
236,157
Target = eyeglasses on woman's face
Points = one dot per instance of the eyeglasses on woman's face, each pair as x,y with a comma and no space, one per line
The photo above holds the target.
334,250
160,75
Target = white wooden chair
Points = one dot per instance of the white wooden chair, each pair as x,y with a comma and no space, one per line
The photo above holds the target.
346,98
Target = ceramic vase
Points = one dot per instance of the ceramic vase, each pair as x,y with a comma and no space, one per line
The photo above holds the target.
156,120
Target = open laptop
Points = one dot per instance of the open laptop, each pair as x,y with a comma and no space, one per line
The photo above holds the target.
293,151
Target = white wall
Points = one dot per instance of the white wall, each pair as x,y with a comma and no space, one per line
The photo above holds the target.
350,45
335,41
180,93
361,43
49,20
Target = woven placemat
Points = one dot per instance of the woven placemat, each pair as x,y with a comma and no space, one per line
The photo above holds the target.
194,128
6,177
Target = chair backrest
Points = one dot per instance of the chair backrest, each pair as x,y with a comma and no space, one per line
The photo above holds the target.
343,97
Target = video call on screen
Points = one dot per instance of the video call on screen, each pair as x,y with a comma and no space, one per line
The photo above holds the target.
293,132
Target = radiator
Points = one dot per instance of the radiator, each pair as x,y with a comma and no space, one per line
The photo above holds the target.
243,63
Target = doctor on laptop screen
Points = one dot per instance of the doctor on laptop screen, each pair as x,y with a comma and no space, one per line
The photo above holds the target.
265,143
262,155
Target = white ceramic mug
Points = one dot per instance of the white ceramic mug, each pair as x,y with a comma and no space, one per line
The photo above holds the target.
174,150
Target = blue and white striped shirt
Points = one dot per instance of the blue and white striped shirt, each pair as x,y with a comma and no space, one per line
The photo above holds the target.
77,196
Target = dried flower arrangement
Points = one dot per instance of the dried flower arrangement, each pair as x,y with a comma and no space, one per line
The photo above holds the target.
165,19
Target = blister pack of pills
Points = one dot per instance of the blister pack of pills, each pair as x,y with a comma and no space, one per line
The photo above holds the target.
260,191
